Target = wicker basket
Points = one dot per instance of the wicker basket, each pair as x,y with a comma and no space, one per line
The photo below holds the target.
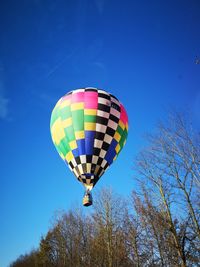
87,199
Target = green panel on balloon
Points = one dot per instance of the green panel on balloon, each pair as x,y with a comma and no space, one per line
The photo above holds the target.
53,117
122,140
65,113
63,148
78,120
119,130
69,131
90,118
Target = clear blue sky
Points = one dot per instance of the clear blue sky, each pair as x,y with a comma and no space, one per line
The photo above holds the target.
141,51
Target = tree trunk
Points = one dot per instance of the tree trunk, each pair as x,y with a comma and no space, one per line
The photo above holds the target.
173,230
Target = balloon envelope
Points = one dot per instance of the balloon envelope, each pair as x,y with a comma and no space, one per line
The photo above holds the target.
89,128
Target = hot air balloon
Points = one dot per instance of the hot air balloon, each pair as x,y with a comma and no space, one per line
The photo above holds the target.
89,129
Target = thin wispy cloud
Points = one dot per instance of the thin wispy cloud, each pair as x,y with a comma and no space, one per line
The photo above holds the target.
60,63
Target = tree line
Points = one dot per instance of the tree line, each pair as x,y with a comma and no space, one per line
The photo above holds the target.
158,225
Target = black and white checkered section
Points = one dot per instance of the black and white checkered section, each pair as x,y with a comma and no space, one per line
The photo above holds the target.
108,115
83,165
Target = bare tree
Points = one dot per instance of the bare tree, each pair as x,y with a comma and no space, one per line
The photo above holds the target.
27,260
171,164
108,222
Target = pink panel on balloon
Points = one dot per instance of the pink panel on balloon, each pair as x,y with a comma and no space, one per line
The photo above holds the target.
78,97
123,115
91,100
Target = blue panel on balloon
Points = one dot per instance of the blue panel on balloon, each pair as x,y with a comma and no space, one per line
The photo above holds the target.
89,142
75,152
111,153
81,146
90,135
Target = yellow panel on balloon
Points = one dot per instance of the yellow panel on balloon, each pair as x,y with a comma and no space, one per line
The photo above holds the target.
64,104
79,135
90,126
117,136
76,106
69,156
66,123
57,131
121,124
73,144
90,112
117,149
